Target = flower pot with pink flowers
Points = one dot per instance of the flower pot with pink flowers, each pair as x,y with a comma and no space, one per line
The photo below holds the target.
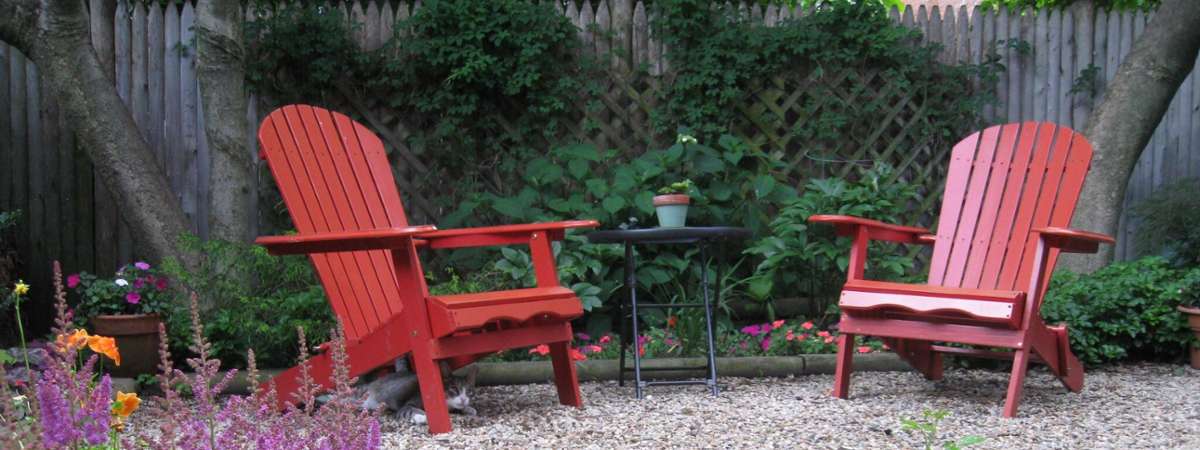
128,307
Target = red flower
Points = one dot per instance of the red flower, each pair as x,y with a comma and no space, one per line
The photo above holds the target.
864,349
671,321
605,339
541,350
577,355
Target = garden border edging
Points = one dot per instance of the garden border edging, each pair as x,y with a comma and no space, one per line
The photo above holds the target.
532,372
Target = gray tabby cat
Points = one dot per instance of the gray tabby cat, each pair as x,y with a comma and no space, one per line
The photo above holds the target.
400,392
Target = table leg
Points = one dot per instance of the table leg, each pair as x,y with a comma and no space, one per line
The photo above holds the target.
622,326
631,287
712,358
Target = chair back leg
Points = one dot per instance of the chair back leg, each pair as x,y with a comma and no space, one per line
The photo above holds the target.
565,377
845,365
918,355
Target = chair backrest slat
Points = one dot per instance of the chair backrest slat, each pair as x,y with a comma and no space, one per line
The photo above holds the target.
334,176
1004,182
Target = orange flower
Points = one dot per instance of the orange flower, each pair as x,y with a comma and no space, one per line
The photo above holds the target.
541,350
671,321
74,340
126,404
105,346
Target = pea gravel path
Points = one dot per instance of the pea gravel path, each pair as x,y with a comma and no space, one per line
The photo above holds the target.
1128,407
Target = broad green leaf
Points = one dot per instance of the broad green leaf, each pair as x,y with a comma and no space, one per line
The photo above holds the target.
763,184
578,168
579,151
613,204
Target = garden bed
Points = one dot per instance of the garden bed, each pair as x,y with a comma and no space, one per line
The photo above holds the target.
1137,406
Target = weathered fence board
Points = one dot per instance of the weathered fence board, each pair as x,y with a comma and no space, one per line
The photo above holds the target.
147,47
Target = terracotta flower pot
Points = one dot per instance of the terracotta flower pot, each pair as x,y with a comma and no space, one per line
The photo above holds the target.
671,209
1193,317
137,341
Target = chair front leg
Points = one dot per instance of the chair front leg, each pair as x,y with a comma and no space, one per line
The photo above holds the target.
566,379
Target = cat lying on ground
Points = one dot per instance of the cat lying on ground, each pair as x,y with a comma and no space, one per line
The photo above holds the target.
399,391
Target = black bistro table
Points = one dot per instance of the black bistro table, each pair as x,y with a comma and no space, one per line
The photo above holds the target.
702,238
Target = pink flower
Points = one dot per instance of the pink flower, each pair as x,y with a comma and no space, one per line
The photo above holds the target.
582,336
643,339
743,344
752,330
776,324
138,283
142,265
807,325
541,350
133,297
593,349
790,335
160,284
766,343
605,339
802,337
828,339
823,334
864,349
577,355
72,280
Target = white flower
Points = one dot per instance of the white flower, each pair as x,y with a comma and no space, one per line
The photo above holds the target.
121,282
685,139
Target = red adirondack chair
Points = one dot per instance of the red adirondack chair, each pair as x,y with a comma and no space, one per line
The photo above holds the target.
338,186
1009,196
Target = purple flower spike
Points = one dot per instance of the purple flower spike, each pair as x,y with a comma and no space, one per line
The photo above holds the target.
98,413
57,429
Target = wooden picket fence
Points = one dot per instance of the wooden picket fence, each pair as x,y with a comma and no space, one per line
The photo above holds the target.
1058,63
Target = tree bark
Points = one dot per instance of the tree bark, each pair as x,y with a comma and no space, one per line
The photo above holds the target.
1121,126
55,34
220,70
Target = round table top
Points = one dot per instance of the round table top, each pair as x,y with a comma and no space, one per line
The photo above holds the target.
667,235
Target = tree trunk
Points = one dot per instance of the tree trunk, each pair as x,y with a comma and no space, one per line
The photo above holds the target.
220,71
1121,126
55,35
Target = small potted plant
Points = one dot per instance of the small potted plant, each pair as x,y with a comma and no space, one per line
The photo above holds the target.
671,204
1190,307
128,307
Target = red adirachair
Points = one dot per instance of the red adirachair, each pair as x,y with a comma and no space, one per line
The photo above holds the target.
1010,193
336,181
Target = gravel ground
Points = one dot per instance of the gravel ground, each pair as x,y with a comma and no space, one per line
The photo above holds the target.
1141,406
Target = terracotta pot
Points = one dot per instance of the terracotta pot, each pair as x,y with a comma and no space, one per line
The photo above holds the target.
1193,317
137,341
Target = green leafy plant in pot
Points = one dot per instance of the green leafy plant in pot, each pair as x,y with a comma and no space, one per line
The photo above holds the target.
1190,307
671,204
129,308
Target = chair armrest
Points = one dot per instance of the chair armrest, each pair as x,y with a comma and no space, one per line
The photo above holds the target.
342,241
1073,241
500,235
876,230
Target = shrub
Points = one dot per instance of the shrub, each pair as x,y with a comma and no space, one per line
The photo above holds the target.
1125,311
255,300
801,257
1168,222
